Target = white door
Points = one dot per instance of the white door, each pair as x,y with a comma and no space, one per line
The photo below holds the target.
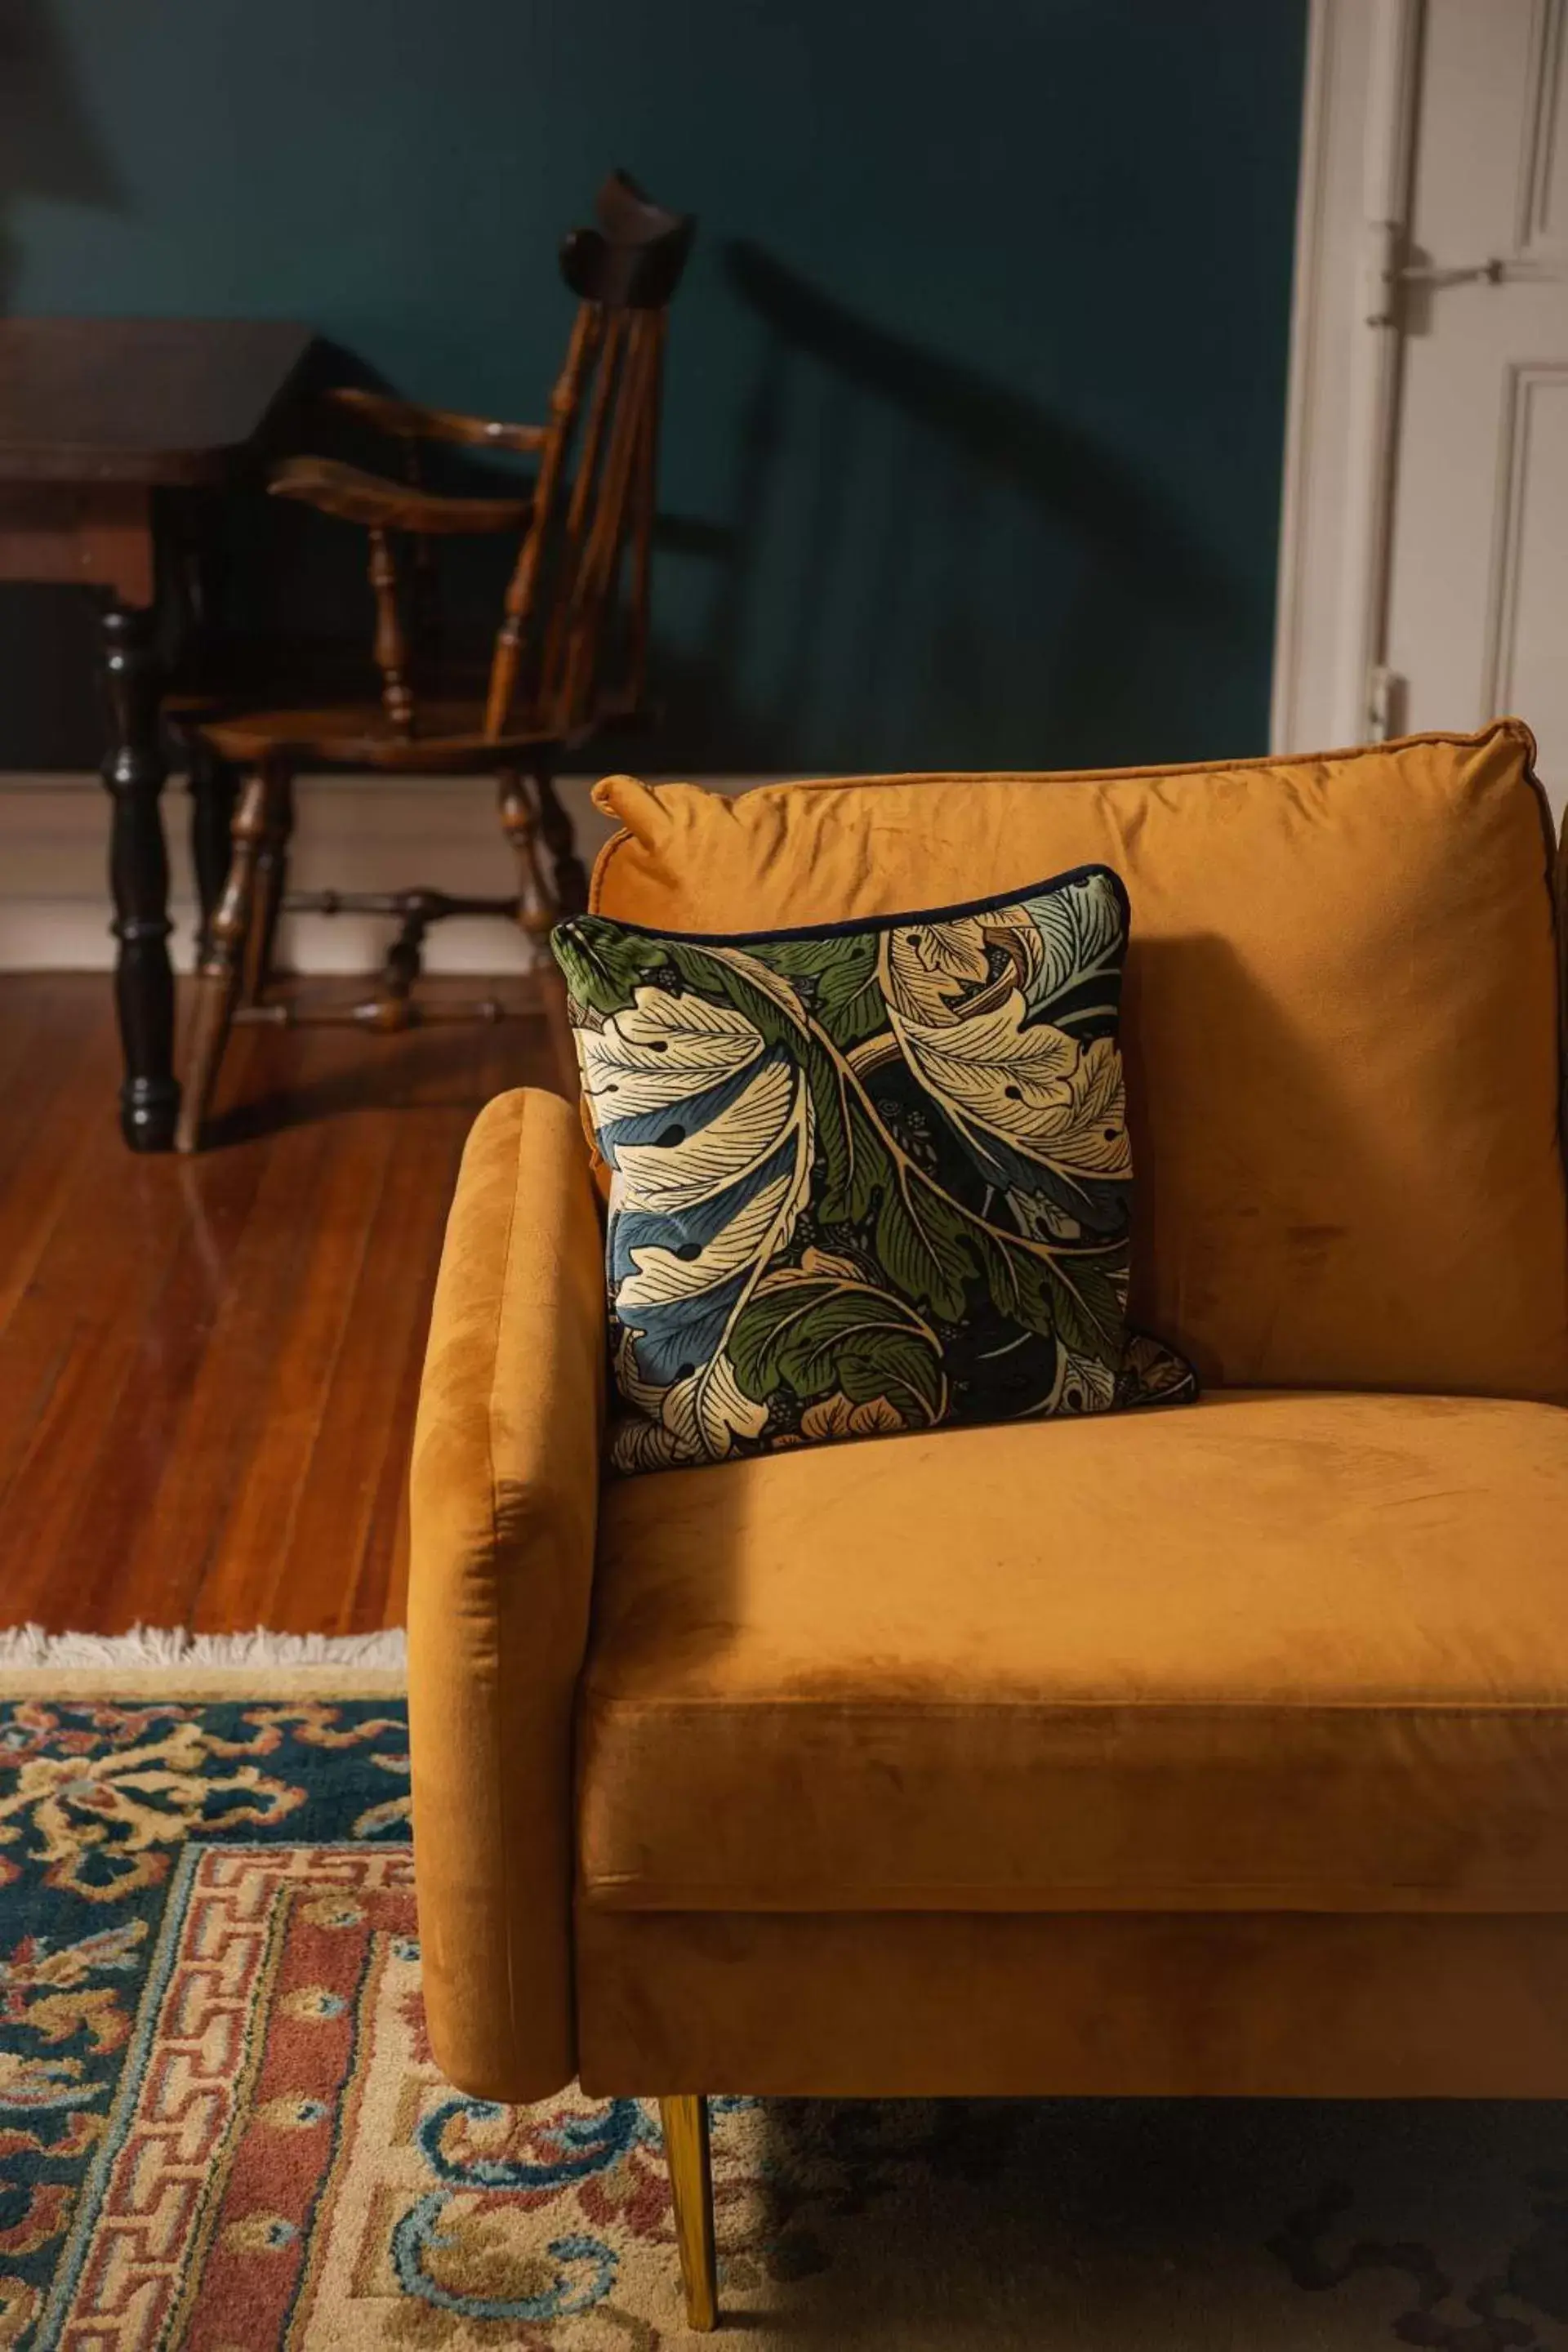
1476,621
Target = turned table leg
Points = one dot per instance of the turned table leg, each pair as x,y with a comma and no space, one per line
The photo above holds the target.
133,771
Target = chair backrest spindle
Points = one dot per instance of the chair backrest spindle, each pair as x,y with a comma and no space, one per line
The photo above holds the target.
625,272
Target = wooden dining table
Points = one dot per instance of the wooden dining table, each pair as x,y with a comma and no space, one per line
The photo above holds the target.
111,431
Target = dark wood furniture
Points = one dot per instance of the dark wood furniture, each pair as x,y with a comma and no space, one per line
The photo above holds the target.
568,661
105,423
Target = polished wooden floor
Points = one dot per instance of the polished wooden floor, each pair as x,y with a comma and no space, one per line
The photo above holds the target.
209,1367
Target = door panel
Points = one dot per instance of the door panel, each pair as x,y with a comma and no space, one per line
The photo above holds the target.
1527,666
1544,186
1477,601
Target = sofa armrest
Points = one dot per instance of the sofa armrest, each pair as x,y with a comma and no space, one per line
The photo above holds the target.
502,1515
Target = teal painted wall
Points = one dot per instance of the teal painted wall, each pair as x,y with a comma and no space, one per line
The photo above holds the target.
977,386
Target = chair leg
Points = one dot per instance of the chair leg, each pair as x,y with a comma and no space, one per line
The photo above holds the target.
571,875
218,981
534,913
214,789
271,878
404,963
685,2122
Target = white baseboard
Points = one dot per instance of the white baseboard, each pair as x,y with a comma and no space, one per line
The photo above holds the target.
351,833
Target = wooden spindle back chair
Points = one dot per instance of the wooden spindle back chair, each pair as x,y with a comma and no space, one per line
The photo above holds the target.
570,658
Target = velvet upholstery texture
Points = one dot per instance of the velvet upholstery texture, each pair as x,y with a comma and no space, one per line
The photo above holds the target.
1339,1023
824,1772
1271,1652
1132,2004
502,1519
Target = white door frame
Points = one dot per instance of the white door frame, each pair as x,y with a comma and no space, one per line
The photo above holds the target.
1342,422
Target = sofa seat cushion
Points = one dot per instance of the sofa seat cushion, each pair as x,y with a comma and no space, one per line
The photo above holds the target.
1283,1650
1338,1025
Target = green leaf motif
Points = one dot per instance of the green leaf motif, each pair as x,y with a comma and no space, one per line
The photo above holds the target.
923,1241
603,967
1082,1298
818,1333
841,974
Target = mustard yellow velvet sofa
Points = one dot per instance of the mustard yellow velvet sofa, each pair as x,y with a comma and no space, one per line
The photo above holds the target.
1222,1750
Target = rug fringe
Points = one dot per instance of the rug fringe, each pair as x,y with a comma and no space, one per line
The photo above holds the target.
170,1646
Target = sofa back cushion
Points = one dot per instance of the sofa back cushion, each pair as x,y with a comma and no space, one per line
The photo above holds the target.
1339,1023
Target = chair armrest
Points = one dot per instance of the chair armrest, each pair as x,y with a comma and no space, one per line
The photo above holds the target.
355,495
503,1512
412,421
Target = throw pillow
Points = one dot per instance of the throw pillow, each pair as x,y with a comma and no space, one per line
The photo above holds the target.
865,1177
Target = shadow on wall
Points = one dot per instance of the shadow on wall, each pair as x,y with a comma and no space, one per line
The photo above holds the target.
49,145
899,516
920,564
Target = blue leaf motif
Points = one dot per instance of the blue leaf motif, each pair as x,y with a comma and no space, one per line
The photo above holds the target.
708,1131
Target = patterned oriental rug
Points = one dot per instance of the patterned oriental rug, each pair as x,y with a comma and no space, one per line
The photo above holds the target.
220,2126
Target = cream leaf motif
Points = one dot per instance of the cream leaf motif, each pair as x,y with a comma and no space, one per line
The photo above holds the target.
696,1419
699,1207
835,1416
828,1262
928,965
667,1179
662,1049
1032,1087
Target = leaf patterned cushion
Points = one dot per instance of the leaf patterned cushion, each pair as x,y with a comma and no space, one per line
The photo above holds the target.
865,1177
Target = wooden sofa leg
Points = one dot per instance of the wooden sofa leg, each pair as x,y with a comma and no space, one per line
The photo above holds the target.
685,2122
